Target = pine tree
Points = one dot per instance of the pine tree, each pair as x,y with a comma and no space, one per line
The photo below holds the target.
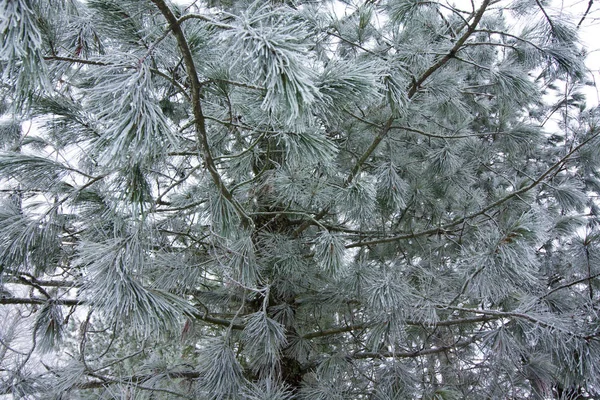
379,199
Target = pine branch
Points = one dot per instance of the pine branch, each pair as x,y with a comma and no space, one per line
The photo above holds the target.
502,33
423,133
173,81
512,315
411,92
358,46
39,301
445,227
416,353
570,284
75,302
76,60
205,19
585,14
442,61
198,113
353,172
31,278
546,15
233,83
358,327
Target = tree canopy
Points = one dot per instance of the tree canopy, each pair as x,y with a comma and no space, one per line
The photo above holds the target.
345,199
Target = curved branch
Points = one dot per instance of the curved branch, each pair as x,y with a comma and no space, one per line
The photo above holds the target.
200,121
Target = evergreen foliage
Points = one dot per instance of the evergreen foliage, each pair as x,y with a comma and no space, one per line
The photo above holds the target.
290,199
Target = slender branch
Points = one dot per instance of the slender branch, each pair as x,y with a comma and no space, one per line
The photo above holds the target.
181,208
37,300
353,44
172,81
76,60
520,39
467,283
234,83
585,14
206,19
200,121
589,272
335,331
41,282
23,280
75,302
514,314
458,221
442,61
475,44
416,353
546,15
355,170
104,381
472,63
569,284
421,132
176,183
138,381
357,327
